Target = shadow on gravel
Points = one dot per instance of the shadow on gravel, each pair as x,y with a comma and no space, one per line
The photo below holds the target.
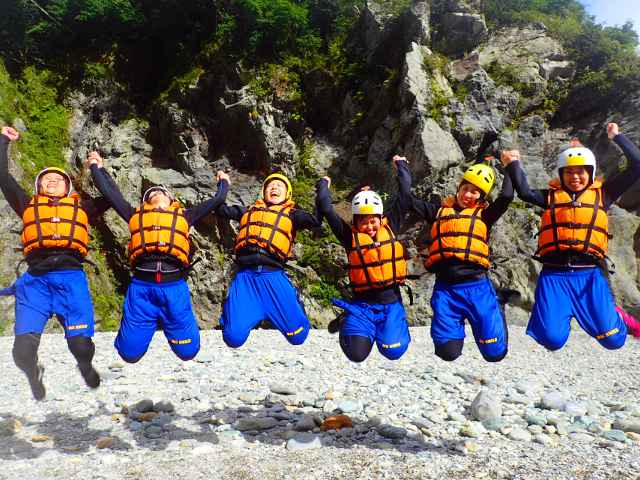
60,432
261,424
270,425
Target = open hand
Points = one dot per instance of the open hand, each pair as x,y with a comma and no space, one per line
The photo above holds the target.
11,133
508,156
612,130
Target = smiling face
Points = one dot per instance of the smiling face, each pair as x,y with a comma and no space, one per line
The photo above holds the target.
369,224
53,184
575,179
275,192
158,199
468,195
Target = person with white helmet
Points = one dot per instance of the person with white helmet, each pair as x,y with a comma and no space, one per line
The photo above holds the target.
377,268
160,256
261,289
573,244
55,237
459,255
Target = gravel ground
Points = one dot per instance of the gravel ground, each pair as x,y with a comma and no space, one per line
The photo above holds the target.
257,412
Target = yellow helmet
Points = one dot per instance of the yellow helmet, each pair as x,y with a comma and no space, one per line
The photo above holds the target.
282,178
481,175
60,171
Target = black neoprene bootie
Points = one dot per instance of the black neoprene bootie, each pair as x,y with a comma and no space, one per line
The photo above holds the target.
90,375
35,382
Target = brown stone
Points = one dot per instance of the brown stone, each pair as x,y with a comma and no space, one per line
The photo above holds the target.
105,442
336,422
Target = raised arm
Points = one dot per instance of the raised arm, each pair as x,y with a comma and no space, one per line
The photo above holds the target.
196,213
324,205
496,209
615,186
511,161
403,202
108,187
13,192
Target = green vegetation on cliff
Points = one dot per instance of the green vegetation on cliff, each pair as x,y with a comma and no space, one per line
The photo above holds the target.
31,99
606,58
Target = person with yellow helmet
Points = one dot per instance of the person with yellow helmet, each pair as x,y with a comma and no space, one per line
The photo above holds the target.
377,268
55,237
458,254
160,254
261,290
573,243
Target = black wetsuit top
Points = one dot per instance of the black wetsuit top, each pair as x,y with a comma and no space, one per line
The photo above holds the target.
612,189
148,264
43,260
454,270
344,233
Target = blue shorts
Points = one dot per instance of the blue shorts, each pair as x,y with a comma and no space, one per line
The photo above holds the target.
64,293
148,305
476,302
581,293
258,294
385,324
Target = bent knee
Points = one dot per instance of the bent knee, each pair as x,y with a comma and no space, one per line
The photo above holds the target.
613,342
234,341
494,358
450,350
130,359
297,338
394,353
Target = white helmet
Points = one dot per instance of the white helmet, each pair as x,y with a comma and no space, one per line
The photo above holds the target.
577,156
366,202
156,188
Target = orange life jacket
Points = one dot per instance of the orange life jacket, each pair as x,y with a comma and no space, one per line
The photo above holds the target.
581,225
56,223
267,227
157,230
376,263
459,234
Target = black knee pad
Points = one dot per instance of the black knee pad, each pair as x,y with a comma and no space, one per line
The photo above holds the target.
25,351
450,350
497,358
356,348
82,348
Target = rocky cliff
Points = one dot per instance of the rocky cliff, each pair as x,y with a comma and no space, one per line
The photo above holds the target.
434,83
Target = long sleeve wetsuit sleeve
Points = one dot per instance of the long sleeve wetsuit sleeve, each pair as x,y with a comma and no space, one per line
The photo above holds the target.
615,186
304,220
340,228
111,192
519,180
424,209
496,209
197,212
403,202
17,198
234,212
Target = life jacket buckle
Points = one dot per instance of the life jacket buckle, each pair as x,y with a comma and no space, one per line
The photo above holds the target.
576,204
161,244
55,220
55,236
156,227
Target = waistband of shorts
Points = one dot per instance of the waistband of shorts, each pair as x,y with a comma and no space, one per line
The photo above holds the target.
145,283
